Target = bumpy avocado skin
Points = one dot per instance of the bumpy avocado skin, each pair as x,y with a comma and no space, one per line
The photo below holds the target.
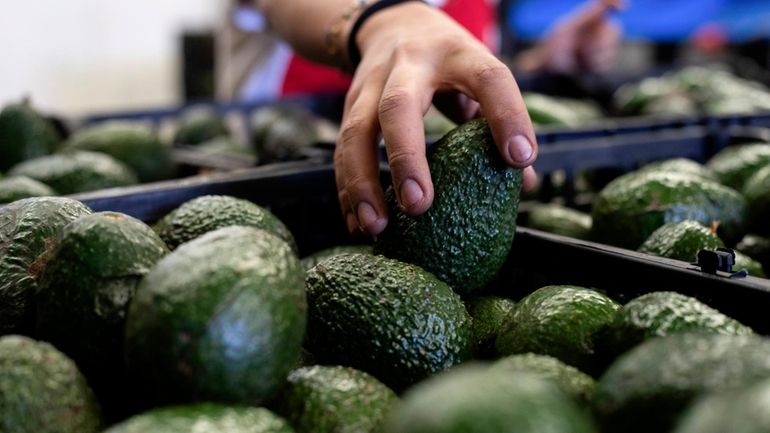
204,417
74,172
647,388
489,314
560,321
659,314
334,399
388,318
743,411
133,144
28,230
24,134
211,212
554,218
42,391
465,236
317,257
631,207
757,193
572,381
477,399
679,165
19,187
681,241
734,165
221,318
92,275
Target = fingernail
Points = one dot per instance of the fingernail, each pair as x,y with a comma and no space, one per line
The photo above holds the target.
411,193
367,216
519,149
351,221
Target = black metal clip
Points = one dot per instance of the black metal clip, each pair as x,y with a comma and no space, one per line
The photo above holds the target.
719,260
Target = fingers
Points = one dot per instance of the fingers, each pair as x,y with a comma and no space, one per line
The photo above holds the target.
593,13
599,47
529,181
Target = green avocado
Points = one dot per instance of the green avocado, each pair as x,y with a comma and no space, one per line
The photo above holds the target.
24,134
465,236
226,146
74,172
199,126
739,411
647,388
220,318
734,165
477,399
489,314
42,391
135,145
551,110
678,165
757,247
681,240
28,230
391,319
631,207
573,382
659,314
743,261
560,321
561,220
334,399
91,276
204,418
757,193
19,187
315,258
210,212
282,133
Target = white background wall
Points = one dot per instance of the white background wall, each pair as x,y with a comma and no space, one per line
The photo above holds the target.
84,56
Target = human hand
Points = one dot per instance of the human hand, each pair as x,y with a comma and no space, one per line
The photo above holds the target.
586,40
409,54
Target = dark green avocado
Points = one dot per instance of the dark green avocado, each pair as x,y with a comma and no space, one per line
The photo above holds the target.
477,399
282,133
391,319
743,411
24,134
560,321
42,391
572,381
315,258
757,247
19,187
74,172
757,193
221,318
334,399
28,231
465,236
681,240
734,165
199,126
631,207
561,220
489,314
134,144
204,418
647,388
92,274
211,212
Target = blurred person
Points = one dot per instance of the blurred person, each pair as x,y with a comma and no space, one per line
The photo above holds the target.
394,59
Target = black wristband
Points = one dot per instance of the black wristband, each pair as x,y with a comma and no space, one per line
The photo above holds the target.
354,54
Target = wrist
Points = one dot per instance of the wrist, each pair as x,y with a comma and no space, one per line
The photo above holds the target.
381,26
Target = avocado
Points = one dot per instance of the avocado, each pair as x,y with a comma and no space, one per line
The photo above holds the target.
738,411
28,230
476,399
436,124
560,321
753,267
204,418
647,388
678,165
198,126
220,318
24,134
465,236
757,193
134,144
757,247
315,258
226,146
211,212
561,220
734,165
92,273
334,399
391,319
42,391
488,314
659,314
631,207
74,172
282,133
633,99
573,382
19,187
552,110
681,240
